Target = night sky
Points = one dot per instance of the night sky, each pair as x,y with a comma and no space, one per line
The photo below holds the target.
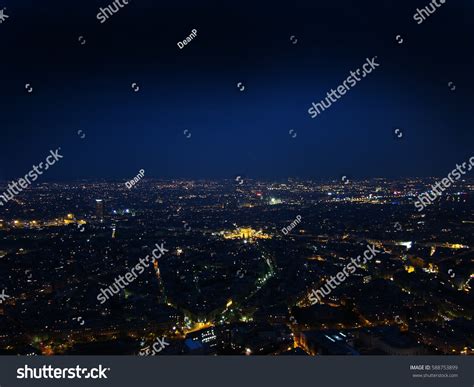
88,87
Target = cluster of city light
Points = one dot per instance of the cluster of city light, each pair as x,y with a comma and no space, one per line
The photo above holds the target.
66,221
245,233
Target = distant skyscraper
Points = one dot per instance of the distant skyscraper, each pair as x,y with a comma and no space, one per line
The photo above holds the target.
99,208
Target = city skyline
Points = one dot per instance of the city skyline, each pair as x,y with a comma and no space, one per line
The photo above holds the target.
232,267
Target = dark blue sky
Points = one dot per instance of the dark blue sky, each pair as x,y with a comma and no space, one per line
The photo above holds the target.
88,87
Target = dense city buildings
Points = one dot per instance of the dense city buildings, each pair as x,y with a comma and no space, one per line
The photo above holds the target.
236,265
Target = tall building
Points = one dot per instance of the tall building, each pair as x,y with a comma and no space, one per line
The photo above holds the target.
99,209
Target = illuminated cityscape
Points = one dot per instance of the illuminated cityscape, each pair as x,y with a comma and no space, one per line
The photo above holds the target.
246,233
231,282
